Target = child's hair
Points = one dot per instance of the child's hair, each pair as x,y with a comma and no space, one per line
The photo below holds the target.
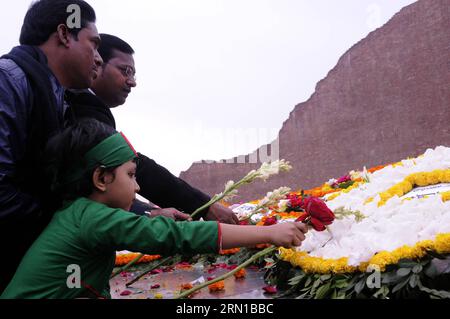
65,152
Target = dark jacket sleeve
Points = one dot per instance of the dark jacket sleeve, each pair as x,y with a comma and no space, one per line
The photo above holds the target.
14,113
140,208
166,190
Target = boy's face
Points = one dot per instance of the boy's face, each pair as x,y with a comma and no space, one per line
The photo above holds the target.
121,192
116,79
83,59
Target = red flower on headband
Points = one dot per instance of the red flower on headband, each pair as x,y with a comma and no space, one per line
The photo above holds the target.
318,215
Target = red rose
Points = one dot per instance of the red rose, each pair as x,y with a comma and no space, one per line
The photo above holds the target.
317,225
295,201
317,213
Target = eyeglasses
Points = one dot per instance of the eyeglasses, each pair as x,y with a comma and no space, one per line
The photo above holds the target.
126,70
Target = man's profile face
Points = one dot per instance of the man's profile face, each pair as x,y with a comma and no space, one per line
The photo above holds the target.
84,60
116,79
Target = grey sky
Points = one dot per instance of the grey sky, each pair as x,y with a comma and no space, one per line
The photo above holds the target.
217,78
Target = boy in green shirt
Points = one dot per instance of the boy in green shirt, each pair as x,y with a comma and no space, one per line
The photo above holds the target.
92,168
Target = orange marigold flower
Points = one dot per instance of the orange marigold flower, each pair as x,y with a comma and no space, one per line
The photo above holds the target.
186,286
183,265
217,286
241,273
376,168
229,251
126,258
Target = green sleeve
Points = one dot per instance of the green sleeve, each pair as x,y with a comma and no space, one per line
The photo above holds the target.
107,228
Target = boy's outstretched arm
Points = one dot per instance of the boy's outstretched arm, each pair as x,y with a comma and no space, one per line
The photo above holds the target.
285,234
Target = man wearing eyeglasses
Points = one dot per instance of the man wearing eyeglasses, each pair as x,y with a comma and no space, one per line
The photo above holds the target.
110,89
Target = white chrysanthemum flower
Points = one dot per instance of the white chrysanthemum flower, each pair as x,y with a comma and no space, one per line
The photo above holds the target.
228,185
268,169
283,205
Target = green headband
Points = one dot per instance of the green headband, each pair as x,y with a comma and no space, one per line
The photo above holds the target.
112,151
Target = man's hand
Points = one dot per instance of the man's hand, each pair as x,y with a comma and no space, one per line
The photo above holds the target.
222,214
171,213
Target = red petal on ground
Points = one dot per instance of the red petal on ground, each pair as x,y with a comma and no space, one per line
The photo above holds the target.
125,293
156,271
270,289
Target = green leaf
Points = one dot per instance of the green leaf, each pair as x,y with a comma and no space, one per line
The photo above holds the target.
341,283
317,283
345,184
353,282
269,260
322,291
400,285
403,272
413,280
325,277
406,263
295,280
383,291
333,294
417,269
308,281
360,285
390,277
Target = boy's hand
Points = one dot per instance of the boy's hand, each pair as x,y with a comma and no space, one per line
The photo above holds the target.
288,234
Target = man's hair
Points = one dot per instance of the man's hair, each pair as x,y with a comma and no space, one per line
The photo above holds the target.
44,16
110,43
65,152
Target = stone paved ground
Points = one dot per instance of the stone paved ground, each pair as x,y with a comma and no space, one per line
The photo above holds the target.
248,288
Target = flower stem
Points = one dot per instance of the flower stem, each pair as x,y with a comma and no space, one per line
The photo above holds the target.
212,201
160,263
228,274
127,266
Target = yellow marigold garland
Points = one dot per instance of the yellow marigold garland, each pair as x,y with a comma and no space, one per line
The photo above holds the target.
416,179
445,196
319,265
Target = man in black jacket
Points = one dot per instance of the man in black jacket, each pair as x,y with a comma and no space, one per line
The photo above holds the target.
53,54
110,89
